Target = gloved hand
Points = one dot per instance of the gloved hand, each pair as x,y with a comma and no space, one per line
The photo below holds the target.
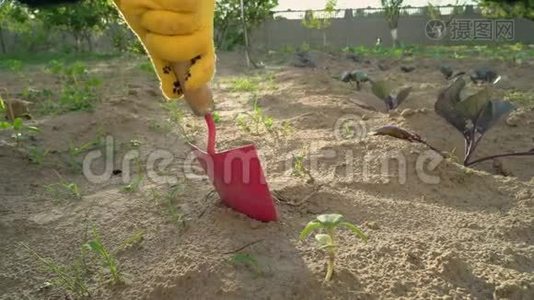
175,31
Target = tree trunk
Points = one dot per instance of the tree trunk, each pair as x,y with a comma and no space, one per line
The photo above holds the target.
395,37
88,40
325,43
2,42
245,33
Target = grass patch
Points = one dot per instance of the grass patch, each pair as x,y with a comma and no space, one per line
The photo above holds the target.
520,97
44,58
244,84
167,202
504,52
71,277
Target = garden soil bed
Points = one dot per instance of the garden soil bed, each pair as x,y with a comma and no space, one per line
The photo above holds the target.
470,236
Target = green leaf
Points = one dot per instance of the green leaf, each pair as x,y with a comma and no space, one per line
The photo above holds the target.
446,105
396,132
313,225
360,76
494,111
473,105
94,246
357,231
5,125
17,123
381,89
324,240
330,220
403,94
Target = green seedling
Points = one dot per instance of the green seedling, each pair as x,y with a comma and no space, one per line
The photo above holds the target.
107,259
135,184
216,117
176,113
167,201
521,97
72,278
74,151
64,190
299,167
78,92
247,260
135,239
135,143
37,155
20,131
255,122
161,127
187,127
327,225
244,84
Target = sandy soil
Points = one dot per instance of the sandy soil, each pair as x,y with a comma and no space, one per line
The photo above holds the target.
470,236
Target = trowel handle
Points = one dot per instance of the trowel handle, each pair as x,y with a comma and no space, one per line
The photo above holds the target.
201,99
211,133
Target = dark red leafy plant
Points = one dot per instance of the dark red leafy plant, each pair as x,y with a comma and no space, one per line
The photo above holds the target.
472,116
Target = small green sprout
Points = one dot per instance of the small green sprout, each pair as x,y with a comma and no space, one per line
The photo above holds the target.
247,260
244,84
327,224
71,277
37,155
108,260
19,129
64,191
216,118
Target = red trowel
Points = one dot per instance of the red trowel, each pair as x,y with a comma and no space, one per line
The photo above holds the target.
237,174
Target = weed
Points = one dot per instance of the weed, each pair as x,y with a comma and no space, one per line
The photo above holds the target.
64,190
216,118
161,127
14,65
72,278
37,154
167,201
74,151
107,259
135,239
135,184
78,91
247,260
327,225
299,168
256,122
146,66
523,98
135,143
20,131
176,113
244,84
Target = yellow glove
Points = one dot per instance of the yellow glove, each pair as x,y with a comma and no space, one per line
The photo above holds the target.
175,31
